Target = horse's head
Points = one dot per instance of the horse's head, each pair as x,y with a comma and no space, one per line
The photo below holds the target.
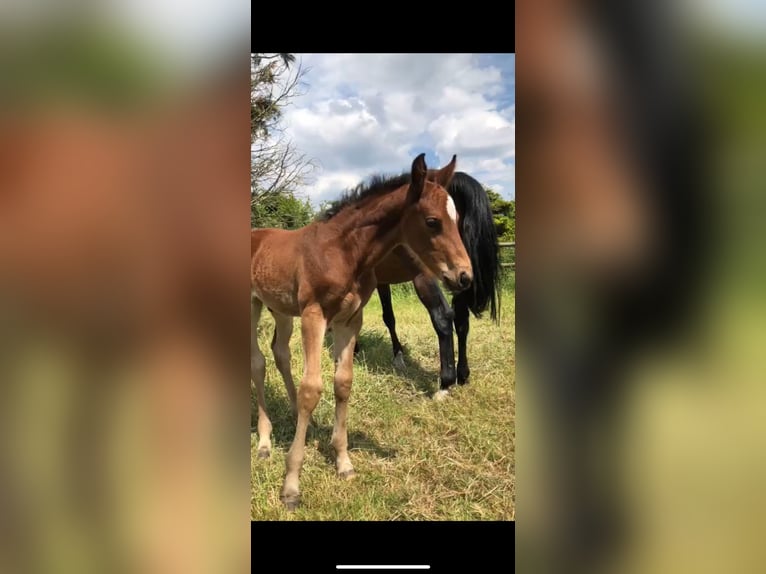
430,227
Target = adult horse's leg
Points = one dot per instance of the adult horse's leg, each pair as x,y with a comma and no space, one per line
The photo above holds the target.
280,346
460,304
441,315
384,292
344,337
258,374
313,327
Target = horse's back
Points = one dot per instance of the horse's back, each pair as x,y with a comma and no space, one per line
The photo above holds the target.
271,238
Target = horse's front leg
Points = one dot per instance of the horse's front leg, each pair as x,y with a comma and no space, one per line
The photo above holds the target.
313,325
427,288
460,304
344,340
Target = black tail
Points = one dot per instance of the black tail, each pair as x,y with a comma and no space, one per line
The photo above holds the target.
477,228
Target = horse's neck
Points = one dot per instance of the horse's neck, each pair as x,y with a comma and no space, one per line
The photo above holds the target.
374,230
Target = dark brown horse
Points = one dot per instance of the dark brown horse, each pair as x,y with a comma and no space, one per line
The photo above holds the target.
477,230
324,273
611,256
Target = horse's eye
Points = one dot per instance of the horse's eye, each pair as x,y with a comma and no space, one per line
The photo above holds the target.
433,223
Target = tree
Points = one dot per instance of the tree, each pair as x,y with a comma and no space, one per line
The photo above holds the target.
266,99
504,213
276,167
280,210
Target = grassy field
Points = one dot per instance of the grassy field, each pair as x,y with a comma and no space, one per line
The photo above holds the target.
416,459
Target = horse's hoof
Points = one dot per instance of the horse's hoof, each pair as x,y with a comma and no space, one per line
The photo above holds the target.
264,452
291,502
399,361
347,474
441,394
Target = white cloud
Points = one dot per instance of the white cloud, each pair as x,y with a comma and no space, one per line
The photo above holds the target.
366,113
474,132
327,184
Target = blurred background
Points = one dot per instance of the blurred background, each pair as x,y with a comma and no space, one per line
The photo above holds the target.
641,299
123,209
123,286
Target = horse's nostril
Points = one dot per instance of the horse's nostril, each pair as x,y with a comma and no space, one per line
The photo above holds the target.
465,280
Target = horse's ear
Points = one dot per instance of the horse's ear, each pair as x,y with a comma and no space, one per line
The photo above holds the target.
418,179
444,175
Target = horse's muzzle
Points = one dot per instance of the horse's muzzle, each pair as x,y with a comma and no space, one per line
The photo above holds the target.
457,284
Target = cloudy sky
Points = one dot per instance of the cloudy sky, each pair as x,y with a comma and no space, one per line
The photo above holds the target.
365,113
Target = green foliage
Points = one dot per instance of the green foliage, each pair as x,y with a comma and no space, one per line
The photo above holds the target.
504,213
78,63
282,210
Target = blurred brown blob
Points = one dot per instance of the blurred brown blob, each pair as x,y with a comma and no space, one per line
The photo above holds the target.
613,180
585,211
124,331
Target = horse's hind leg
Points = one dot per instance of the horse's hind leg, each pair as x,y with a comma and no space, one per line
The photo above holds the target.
280,346
258,374
441,315
460,304
384,292
344,339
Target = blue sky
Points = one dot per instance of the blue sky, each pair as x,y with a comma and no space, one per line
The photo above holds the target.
369,113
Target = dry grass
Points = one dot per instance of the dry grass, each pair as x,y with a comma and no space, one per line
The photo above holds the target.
416,459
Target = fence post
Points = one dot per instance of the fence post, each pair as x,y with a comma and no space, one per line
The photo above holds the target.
508,244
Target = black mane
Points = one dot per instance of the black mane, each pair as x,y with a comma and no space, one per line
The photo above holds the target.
477,230
375,185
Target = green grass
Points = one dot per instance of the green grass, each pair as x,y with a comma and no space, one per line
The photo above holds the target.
416,459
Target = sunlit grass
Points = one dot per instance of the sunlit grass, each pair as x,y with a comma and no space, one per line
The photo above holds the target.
416,459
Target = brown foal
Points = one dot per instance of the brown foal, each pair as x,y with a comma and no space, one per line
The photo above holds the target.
324,274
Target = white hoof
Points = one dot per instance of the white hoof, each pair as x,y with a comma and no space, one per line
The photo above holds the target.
440,395
399,361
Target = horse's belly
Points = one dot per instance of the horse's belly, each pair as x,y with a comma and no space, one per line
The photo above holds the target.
281,301
393,275
399,266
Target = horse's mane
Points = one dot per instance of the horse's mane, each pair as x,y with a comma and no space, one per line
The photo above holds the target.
477,230
375,185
